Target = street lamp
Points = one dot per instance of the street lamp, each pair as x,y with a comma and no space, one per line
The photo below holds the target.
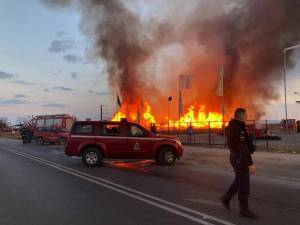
284,78
169,100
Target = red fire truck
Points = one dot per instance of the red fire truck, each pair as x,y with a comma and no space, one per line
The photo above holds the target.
52,128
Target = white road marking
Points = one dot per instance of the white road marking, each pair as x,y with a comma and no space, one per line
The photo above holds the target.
126,191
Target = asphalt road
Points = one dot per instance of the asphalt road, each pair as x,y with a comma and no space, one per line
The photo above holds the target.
39,185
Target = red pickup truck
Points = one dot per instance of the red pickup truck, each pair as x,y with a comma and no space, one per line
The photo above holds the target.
95,140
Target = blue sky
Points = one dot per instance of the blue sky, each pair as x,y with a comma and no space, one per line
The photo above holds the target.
43,63
44,66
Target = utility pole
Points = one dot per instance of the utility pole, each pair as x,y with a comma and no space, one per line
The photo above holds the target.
284,83
101,112
220,93
284,80
169,100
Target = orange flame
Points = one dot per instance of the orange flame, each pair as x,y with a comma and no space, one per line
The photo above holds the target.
145,116
196,118
200,119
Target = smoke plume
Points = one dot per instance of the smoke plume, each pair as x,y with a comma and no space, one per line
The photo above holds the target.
145,53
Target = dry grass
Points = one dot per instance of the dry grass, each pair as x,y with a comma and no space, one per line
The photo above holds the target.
10,135
281,149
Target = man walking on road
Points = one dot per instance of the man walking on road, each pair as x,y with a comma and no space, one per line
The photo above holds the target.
241,148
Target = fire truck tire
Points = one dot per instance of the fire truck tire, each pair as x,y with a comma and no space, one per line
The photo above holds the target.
39,141
166,156
92,157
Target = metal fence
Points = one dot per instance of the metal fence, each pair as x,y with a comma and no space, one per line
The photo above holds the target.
277,136
201,133
267,134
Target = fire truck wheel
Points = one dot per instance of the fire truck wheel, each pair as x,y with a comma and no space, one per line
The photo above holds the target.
166,156
62,141
92,157
39,141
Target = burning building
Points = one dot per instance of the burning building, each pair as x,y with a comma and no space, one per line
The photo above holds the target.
147,45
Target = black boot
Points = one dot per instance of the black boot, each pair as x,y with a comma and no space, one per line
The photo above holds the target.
246,212
225,201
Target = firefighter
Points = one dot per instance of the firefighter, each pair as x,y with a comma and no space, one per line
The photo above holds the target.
26,133
241,148
124,127
153,128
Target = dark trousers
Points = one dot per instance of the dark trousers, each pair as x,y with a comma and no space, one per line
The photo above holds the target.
240,185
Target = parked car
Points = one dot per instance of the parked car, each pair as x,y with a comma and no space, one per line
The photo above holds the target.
95,140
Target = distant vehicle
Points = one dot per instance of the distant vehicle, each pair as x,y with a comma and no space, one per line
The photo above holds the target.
95,140
257,134
261,134
289,124
26,132
52,128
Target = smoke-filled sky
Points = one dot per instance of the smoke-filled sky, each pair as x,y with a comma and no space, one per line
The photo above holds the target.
72,57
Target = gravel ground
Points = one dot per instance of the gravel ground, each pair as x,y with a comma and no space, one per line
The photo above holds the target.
281,165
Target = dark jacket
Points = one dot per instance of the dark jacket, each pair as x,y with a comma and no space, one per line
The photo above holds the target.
239,143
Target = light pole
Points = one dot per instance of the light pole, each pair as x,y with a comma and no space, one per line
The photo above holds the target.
284,79
169,100
101,112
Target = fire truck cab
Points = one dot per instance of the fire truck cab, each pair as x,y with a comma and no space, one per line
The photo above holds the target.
52,128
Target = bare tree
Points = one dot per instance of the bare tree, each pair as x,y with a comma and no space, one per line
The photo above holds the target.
3,123
23,120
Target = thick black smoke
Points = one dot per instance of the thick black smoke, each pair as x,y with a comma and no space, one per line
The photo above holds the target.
247,36
253,35
121,39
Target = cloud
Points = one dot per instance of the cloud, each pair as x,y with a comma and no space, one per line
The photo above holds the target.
22,82
74,75
61,34
57,72
13,102
61,88
101,93
55,105
4,75
61,45
56,3
46,90
20,96
73,58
